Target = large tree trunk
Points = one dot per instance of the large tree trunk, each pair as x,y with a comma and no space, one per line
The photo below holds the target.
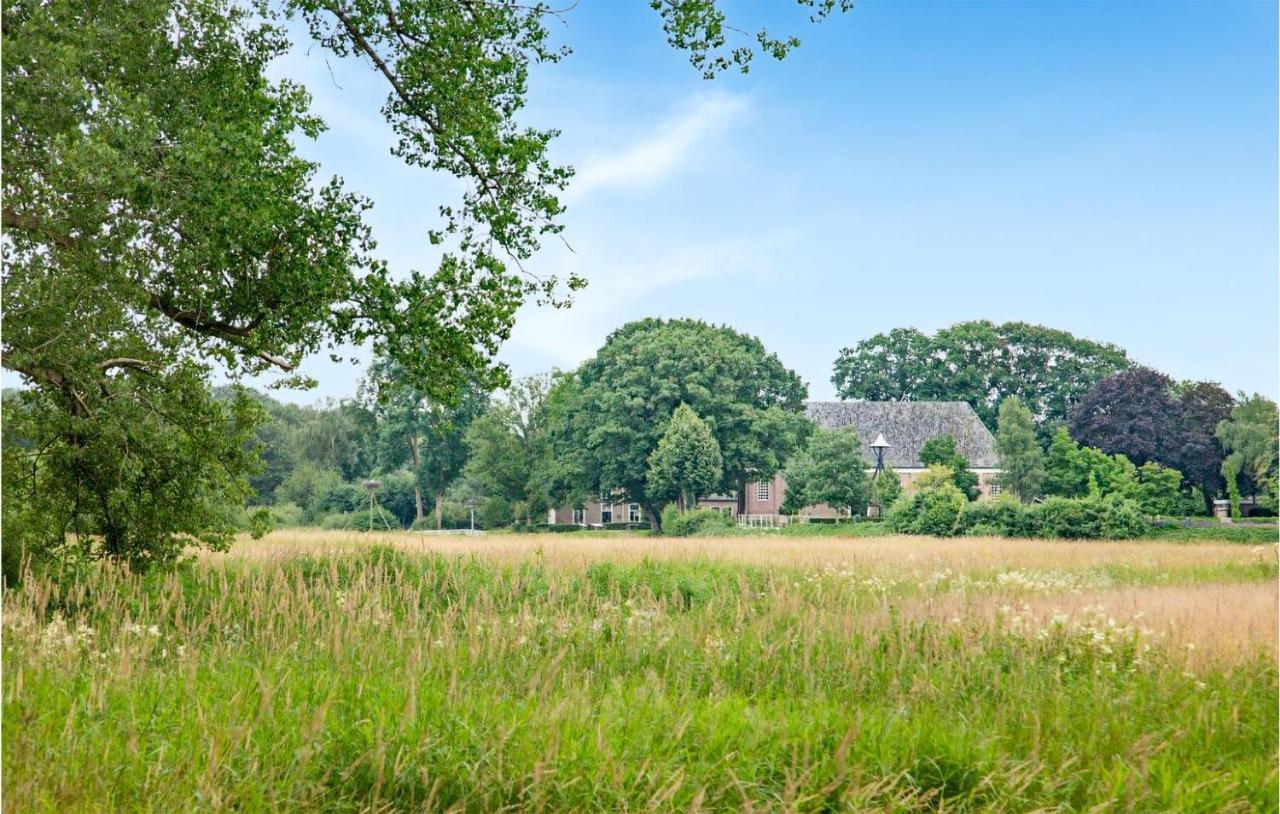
439,511
655,520
742,497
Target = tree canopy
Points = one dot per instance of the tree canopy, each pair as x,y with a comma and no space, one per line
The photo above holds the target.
508,449
425,436
1021,461
686,464
831,470
159,225
941,451
611,413
1250,438
1143,415
1076,471
981,363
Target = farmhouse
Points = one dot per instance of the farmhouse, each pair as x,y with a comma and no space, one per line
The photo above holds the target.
905,426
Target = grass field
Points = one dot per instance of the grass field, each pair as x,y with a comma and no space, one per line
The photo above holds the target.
338,672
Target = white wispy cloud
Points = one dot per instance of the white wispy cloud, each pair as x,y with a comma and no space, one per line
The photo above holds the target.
669,148
625,286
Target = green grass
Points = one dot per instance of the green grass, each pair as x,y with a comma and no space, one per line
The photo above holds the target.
390,682
1225,533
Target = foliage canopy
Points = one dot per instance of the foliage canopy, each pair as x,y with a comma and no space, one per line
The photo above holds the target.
981,363
159,225
829,470
611,413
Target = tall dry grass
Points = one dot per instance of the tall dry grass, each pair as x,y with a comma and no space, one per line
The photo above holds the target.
603,674
884,553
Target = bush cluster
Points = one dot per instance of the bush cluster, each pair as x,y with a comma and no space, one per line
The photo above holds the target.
941,513
935,510
676,523
360,521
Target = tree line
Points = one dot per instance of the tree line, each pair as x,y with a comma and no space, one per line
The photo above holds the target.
669,411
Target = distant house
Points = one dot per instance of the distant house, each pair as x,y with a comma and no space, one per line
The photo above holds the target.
905,425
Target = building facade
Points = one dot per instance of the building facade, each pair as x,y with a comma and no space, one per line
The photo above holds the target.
905,426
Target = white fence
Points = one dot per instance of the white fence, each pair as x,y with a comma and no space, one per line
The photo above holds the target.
768,521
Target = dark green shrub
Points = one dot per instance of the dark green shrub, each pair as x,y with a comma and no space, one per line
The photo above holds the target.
1003,512
676,523
1109,518
12,556
286,515
1069,518
338,496
494,513
453,515
1122,519
359,521
934,510
397,497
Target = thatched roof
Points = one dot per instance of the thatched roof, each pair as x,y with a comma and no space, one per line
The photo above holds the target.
907,425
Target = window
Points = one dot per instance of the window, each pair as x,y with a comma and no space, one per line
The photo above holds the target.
762,490
580,517
997,489
633,513
606,511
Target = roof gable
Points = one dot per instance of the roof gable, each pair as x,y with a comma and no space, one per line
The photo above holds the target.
907,425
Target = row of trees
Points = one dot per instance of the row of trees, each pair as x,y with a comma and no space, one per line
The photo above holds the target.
427,454
671,411
667,411
1218,443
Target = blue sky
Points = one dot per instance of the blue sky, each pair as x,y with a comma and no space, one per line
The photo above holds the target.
1104,168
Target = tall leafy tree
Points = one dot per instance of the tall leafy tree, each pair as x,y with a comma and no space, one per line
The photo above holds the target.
159,224
1159,491
609,415
426,436
1202,407
1134,414
941,451
886,488
1021,461
508,449
151,465
1250,438
1060,475
686,463
980,363
1144,416
829,470
336,436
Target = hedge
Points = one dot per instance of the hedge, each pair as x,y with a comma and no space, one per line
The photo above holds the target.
1079,518
937,512
676,523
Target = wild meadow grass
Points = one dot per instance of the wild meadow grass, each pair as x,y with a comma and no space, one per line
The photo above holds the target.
347,673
